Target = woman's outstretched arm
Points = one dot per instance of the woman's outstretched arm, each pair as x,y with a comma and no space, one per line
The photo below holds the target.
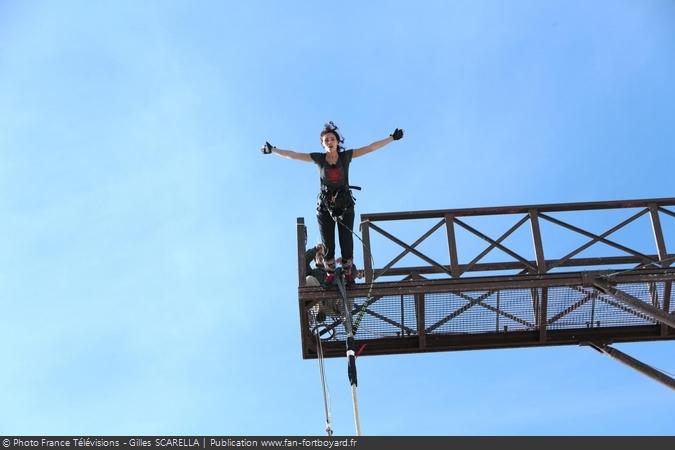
269,148
395,136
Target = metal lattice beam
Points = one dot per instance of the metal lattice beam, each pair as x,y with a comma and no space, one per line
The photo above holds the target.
533,299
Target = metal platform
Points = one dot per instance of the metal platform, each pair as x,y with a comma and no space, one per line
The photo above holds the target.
516,276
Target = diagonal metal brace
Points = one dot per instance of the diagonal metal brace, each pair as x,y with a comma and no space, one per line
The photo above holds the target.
634,363
635,303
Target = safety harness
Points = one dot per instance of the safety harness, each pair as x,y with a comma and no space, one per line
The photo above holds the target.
337,202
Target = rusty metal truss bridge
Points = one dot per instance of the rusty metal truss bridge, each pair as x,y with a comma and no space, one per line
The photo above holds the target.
516,276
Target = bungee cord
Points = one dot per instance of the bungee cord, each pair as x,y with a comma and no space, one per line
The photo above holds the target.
369,299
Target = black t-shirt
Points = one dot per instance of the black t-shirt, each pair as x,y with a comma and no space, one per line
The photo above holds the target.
333,177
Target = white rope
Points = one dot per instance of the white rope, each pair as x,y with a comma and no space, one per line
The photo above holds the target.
324,386
355,405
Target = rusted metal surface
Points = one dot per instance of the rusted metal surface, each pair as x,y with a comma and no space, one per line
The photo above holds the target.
367,254
302,244
658,231
536,239
452,245
667,292
507,294
556,207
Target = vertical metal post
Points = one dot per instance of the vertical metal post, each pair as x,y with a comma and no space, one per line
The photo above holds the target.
667,292
402,317
536,237
536,304
301,232
497,314
302,244
543,315
421,321
367,252
663,255
452,245
658,233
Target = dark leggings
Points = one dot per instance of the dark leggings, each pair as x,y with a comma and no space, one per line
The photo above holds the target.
327,229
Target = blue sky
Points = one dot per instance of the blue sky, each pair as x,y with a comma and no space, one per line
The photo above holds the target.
148,277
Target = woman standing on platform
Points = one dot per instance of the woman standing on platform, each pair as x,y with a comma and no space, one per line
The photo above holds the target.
335,203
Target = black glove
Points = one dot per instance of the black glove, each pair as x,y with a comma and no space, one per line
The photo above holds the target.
397,134
267,148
